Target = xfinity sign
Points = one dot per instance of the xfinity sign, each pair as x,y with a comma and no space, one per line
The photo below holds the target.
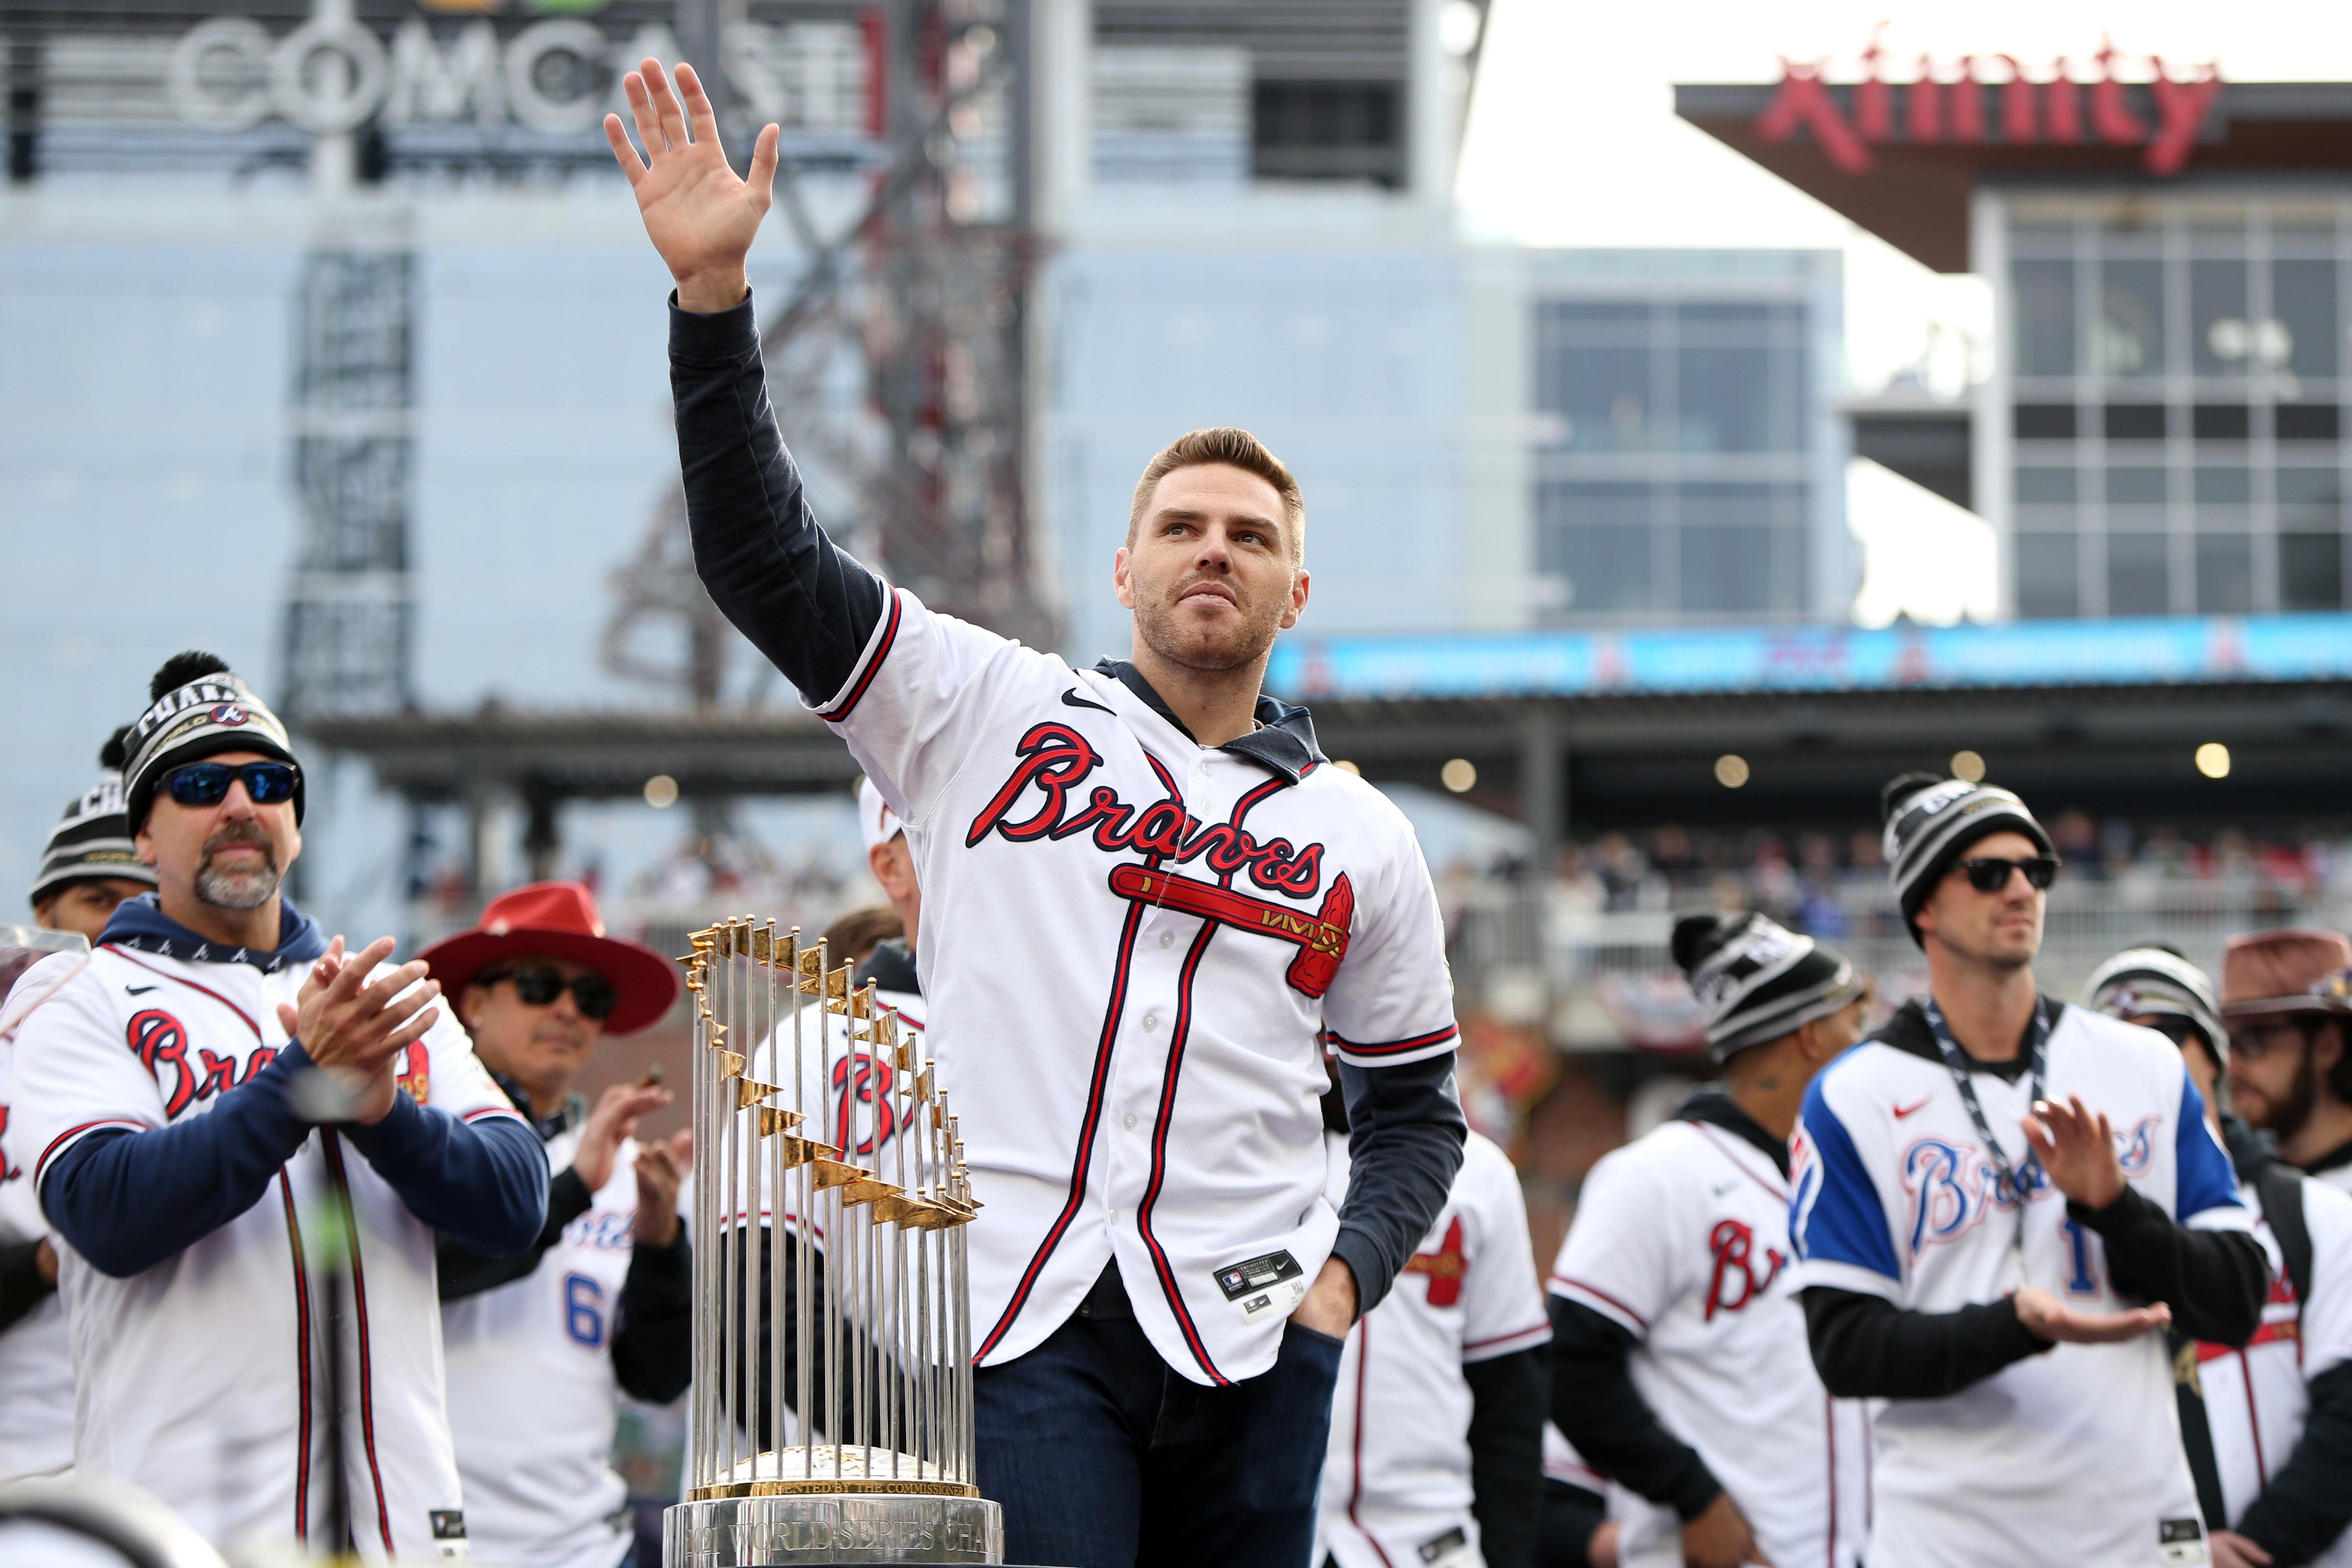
557,75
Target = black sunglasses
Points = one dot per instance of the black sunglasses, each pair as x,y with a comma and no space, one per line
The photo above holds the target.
207,784
539,987
1990,873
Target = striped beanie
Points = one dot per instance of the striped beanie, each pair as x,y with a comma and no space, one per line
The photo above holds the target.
2157,982
93,838
1758,981
1929,821
200,707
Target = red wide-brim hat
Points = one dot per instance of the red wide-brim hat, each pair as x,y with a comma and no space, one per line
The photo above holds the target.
557,919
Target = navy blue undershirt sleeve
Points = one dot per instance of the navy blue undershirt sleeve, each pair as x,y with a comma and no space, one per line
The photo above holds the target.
126,1200
1405,1133
483,1184
22,1288
796,595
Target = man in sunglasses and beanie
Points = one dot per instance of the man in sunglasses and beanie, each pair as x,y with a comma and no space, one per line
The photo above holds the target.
601,1304
2288,1003
247,1137
2267,1427
1999,1203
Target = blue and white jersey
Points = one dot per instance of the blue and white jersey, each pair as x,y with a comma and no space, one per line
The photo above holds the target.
2069,1457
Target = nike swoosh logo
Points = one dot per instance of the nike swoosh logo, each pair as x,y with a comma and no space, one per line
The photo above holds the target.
139,989
1725,1188
1072,700
1902,1110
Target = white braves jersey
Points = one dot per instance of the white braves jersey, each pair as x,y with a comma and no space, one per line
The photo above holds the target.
1682,1239
2069,1457
36,1387
2337,1176
533,1399
2256,1398
1396,1484
203,1378
1199,921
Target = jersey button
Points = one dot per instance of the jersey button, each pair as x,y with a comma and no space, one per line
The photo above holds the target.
1130,1124
1167,937
1150,1022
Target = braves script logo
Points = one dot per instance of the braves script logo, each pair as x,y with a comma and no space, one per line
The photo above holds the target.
1055,760
1735,1283
871,1088
160,1041
1445,1267
1954,1185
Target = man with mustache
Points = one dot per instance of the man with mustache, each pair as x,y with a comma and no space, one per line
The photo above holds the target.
2287,1003
1148,901
221,1109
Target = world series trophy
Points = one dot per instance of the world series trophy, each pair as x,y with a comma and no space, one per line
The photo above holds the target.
833,1417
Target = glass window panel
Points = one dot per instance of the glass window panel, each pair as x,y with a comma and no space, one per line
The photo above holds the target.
2225,573
1598,537
2139,578
2303,299
2045,316
1705,313
2217,317
2222,421
2045,575
2224,487
2306,421
1738,400
2134,421
2045,484
2310,570
1727,568
1605,394
2135,486
2308,497
2128,337
2045,421
1571,314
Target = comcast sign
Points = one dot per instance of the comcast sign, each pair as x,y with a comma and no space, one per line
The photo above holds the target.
556,75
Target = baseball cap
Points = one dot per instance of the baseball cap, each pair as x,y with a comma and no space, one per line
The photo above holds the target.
877,822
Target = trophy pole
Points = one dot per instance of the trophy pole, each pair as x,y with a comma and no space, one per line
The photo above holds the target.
858,1323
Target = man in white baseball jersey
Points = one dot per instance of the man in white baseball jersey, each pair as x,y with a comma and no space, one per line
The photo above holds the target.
2290,1015
539,1345
88,867
206,1178
1436,1455
2267,1426
1146,898
1999,1202
1680,1369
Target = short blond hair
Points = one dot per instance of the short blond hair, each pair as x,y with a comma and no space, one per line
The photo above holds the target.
1235,449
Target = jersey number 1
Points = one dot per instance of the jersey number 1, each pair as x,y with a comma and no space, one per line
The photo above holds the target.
2078,1242
583,1310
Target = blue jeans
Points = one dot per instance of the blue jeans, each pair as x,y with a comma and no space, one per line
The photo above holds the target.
1104,1457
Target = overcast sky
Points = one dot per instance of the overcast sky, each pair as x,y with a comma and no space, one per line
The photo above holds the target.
1573,139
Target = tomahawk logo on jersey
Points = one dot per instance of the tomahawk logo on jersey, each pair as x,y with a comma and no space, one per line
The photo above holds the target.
236,1444
1397,1484
1682,1239
2070,1456
1199,916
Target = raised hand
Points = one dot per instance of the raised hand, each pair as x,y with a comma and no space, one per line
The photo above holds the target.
700,214
660,1176
2077,1148
614,1119
2044,1318
353,1030
1720,1537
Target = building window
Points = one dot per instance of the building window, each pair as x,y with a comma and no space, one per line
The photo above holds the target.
1597,539
2177,364
1329,131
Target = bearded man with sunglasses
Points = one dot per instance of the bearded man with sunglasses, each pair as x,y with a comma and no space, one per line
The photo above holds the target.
2287,1000
540,1345
1998,1203
222,1110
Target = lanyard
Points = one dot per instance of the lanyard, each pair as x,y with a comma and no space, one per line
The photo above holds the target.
1956,1061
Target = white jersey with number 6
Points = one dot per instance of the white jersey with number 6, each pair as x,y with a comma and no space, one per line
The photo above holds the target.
533,1400
1396,1485
1682,1239
2069,1457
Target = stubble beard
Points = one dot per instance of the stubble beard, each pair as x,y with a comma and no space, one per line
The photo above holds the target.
238,890
1213,654
2287,1116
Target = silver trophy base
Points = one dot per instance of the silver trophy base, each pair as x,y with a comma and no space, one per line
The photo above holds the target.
832,1527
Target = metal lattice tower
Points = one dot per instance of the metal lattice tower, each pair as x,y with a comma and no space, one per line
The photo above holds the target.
349,610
